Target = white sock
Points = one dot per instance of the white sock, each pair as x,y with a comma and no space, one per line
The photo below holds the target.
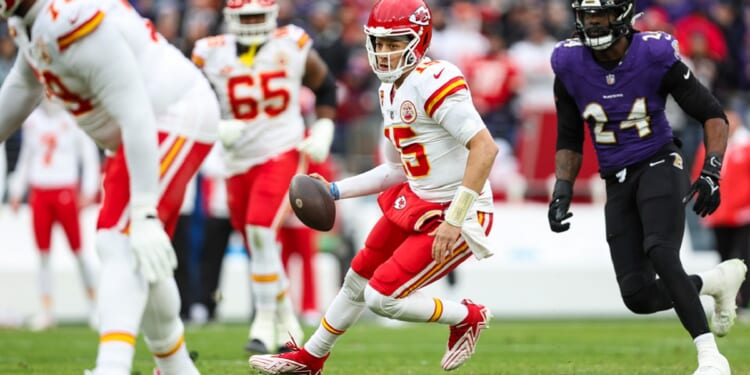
45,276
86,271
265,267
706,343
343,312
417,307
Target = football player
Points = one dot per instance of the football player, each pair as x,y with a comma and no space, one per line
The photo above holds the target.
616,80
257,70
53,150
436,200
154,113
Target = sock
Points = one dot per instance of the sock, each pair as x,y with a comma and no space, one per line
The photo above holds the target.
343,312
417,307
87,275
116,353
45,282
265,267
164,331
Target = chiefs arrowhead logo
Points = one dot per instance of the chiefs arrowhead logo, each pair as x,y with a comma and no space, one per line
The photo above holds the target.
400,203
421,16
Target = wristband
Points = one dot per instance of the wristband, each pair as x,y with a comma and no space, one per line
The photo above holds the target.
462,202
712,165
335,191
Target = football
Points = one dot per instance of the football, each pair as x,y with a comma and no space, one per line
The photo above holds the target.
312,203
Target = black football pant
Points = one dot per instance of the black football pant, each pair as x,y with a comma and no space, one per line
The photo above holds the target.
645,221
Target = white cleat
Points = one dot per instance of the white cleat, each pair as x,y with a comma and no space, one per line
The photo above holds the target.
41,322
712,364
262,334
727,277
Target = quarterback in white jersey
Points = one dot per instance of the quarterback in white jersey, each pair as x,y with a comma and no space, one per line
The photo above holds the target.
53,151
137,97
257,71
436,201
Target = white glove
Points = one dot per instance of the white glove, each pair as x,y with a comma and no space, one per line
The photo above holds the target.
230,131
317,145
153,249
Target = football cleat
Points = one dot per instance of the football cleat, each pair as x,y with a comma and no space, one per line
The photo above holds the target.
262,334
463,338
712,363
728,277
295,361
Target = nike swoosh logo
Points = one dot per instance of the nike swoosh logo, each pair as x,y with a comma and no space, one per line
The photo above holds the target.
438,74
687,75
656,163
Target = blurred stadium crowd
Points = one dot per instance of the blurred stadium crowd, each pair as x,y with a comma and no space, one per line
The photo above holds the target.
503,47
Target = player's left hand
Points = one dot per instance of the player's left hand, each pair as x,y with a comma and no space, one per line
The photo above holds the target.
446,236
230,132
317,145
706,187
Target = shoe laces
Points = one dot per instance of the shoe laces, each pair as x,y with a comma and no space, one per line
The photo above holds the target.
292,345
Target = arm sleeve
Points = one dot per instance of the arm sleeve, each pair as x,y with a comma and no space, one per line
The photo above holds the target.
569,123
459,117
19,95
690,94
375,180
110,69
89,165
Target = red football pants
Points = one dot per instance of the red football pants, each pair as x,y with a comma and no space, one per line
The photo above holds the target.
58,205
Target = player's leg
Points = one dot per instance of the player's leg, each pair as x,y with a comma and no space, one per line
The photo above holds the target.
161,324
212,254
298,239
41,203
267,207
68,215
394,292
122,290
345,309
663,217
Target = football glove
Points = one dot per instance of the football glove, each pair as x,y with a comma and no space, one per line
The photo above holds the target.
706,187
230,132
317,145
558,208
153,249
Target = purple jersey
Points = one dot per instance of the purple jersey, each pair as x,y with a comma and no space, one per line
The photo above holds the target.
623,107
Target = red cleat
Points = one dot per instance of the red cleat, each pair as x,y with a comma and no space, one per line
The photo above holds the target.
296,361
464,336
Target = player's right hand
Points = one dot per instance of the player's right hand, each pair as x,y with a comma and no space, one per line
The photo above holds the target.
230,132
153,250
560,205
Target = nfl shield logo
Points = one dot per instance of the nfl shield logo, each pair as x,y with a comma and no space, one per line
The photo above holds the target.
610,79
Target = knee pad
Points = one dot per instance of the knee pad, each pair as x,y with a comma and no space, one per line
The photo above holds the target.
263,244
354,286
113,247
382,305
161,317
632,288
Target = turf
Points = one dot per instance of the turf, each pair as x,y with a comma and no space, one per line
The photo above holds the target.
512,347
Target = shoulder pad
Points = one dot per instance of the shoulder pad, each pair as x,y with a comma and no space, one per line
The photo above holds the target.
563,49
661,47
293,34
70,21
438,79
205,47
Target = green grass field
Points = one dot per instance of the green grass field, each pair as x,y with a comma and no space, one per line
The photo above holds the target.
512,347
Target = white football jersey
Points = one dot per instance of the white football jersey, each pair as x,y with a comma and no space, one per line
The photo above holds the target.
433,153
64,35
265,94
53,151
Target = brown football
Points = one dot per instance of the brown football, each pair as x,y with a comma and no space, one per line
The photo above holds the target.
312,203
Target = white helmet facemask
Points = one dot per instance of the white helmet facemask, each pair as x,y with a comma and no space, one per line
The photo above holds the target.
407,57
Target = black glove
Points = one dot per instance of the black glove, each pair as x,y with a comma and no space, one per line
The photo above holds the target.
706,186
558,208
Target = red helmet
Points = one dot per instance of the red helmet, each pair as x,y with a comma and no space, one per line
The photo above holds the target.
394,18
250,33
7,7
